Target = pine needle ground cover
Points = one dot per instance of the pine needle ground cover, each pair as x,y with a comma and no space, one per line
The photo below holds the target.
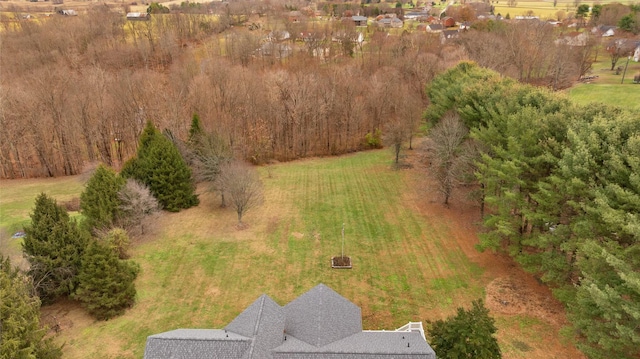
409,263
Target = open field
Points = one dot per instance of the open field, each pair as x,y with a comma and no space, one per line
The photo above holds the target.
607,87
543,9
413,259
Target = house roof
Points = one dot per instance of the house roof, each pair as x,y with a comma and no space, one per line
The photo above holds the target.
264,322
363,345
196,344
318,324
322,316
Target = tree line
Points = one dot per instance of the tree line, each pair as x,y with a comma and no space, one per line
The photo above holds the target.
560,188
81,89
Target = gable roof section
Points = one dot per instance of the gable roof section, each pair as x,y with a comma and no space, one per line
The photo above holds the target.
322,316
196,344
264,322
365,344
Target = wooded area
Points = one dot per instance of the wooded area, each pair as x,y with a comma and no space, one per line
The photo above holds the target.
80,90
562,193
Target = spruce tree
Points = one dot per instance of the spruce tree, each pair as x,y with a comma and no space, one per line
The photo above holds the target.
99,202
20,333
160,166
468,334
53,245
106,283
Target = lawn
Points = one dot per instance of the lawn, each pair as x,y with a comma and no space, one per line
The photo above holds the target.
199,270
543,9
607,88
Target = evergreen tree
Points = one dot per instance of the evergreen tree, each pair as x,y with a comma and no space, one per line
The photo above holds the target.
21,336
606,311
195,131
99,202
106,283
469,334
160,166
53,245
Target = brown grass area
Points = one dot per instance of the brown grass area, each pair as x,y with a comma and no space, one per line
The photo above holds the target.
512,294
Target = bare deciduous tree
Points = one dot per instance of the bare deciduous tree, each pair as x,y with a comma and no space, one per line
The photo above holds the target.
243,187
395,134
136,204
449,153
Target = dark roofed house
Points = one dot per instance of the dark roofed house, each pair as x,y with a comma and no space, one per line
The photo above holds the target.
318,324
435,28
359,20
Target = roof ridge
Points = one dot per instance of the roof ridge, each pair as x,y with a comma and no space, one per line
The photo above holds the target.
255,328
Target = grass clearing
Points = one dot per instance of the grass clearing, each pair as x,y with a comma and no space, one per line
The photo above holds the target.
545,10
607,88
199,271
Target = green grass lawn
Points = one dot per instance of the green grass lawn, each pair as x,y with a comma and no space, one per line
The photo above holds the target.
607,88
199,271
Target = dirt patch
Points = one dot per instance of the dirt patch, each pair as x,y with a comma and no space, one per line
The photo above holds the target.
511,296
63,316
297,235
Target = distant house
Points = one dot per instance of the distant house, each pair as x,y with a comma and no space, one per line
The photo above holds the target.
278,36
573,39
318,324
68,12
448,35
390,22
526,17
359,20
353,36
138,16
604,31
466,25
435,28
416,15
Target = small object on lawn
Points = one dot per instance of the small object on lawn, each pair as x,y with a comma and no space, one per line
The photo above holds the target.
341,262
19,234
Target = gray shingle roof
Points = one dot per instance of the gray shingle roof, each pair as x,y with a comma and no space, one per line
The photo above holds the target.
196,344
321,316
318,324
264,322
364,343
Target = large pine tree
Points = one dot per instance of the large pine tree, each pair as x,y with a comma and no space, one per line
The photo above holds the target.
99,202
468,334
20,333
160,166
106,283
53,245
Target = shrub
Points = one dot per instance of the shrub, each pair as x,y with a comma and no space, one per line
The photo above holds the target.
373,140
106,283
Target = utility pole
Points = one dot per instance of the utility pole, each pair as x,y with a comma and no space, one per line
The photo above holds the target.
625,68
